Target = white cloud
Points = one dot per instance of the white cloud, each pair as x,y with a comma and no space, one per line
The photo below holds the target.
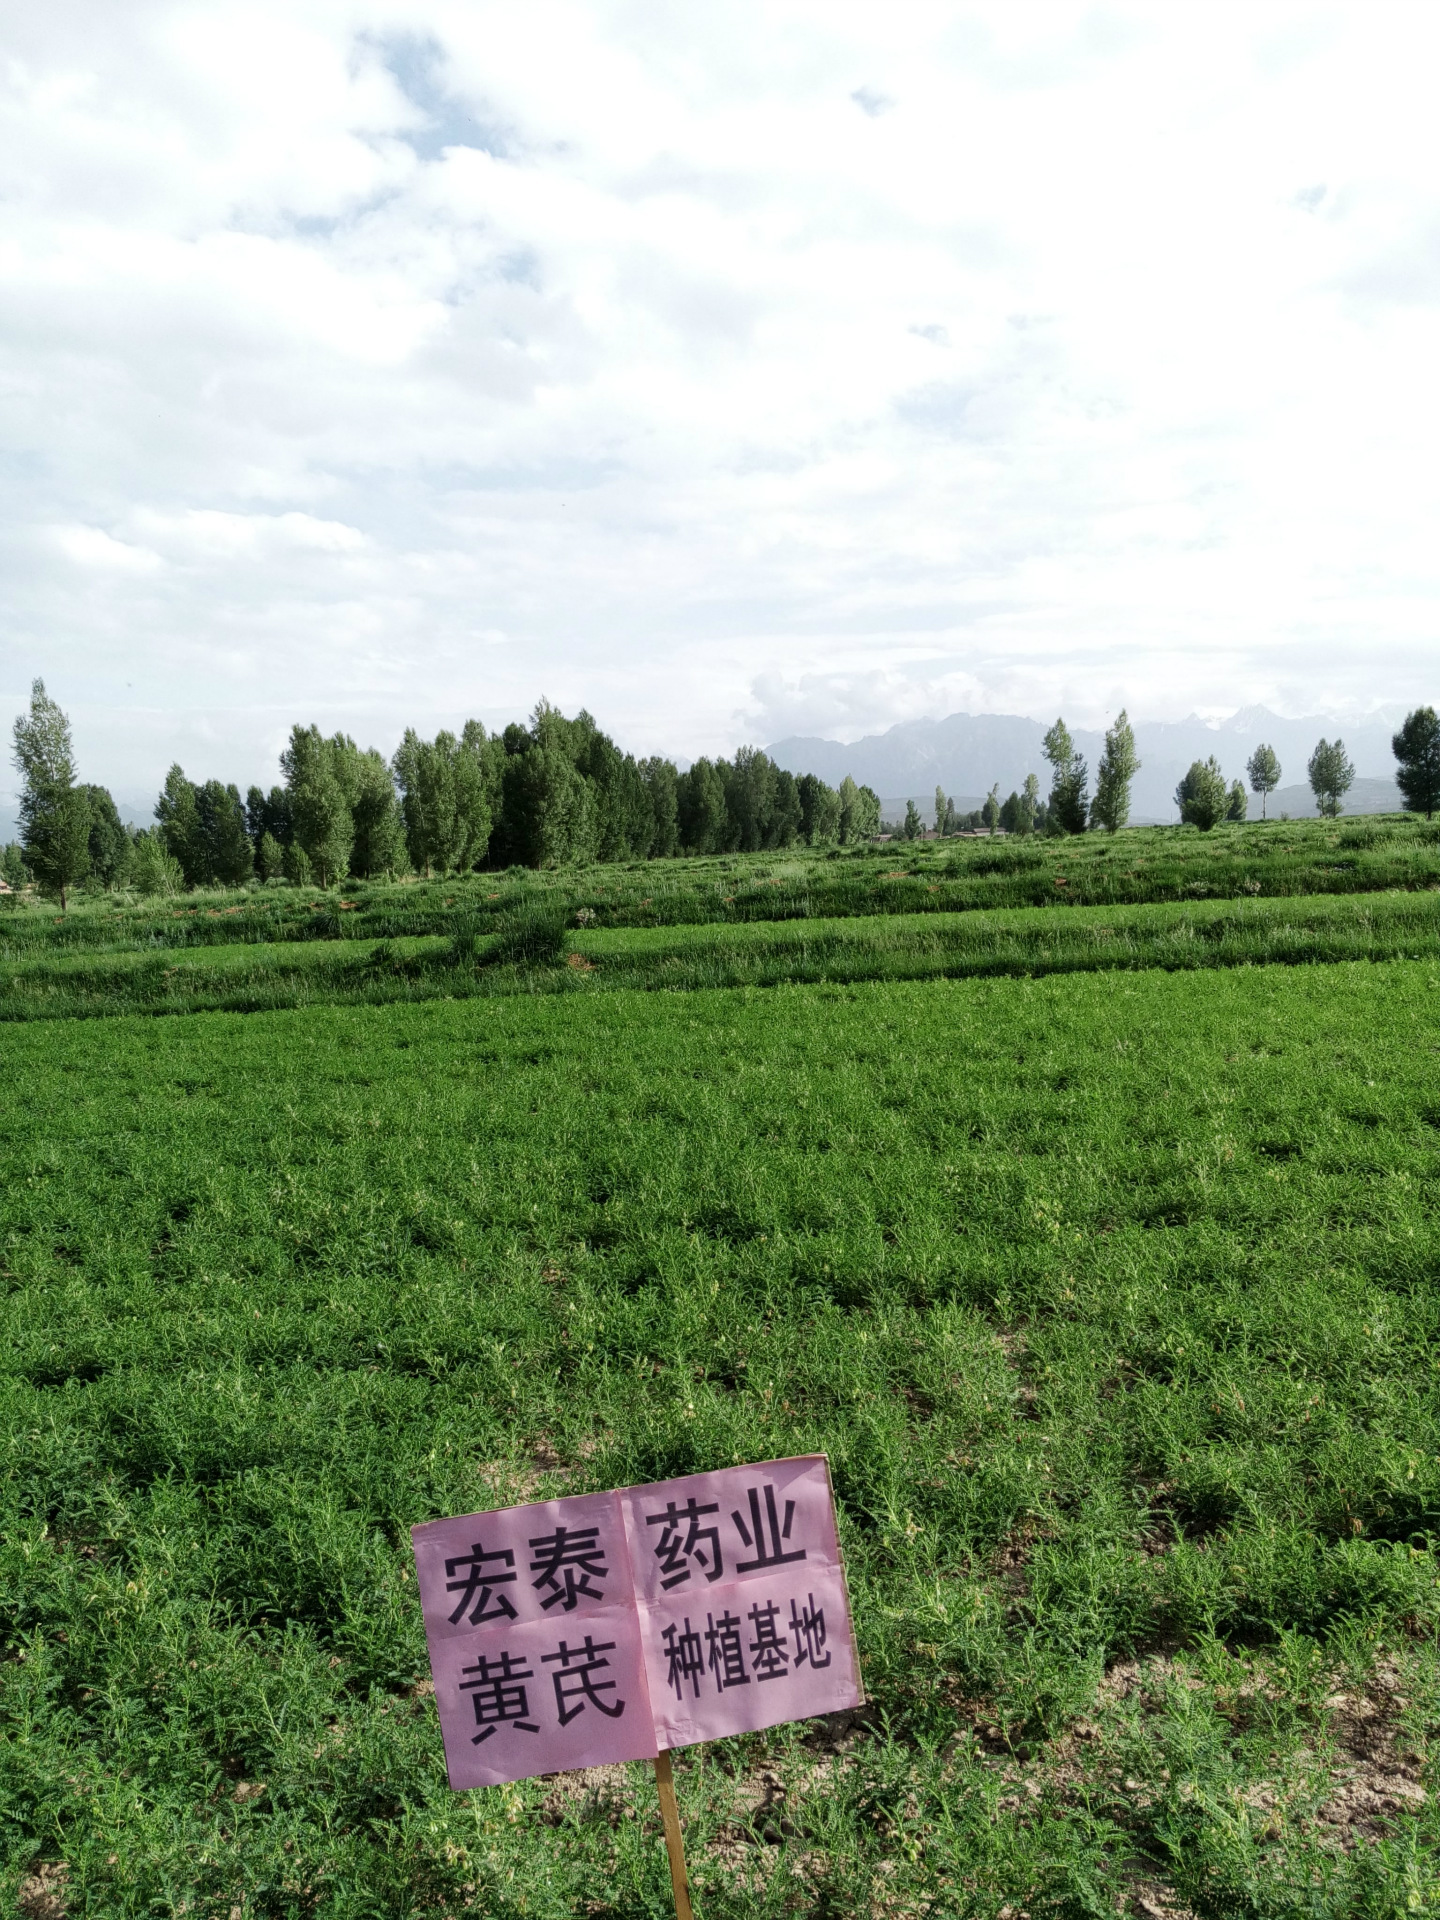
796,368
94,549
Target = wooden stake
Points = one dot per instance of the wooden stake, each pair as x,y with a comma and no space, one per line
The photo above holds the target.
674,1839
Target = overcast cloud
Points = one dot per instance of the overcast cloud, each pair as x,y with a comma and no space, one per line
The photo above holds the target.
735,371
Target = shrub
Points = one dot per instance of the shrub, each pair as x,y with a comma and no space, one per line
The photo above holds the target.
528,936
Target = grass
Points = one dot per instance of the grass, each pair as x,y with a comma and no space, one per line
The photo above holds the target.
529,951
1110,1295
1141,866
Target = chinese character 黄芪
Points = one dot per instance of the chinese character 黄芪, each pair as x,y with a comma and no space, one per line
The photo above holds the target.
573,1680
808,1627
771,1660
675,1547
477,1580
771,1555
499,1694
562,1552
726,1658
686,1657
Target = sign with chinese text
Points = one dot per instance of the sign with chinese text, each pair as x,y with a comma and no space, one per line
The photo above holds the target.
608,1626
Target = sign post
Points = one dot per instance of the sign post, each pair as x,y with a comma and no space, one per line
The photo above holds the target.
619,1626
674,1838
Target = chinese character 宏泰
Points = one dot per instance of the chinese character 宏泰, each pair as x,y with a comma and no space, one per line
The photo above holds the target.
477,1580
562,1553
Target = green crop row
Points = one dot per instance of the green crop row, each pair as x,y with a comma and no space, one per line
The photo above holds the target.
1111,1298
254,978
1136,867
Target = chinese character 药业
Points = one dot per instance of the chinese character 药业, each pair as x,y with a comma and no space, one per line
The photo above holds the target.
675,1547
770,1555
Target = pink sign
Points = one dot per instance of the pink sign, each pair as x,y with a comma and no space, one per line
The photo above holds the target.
612,1625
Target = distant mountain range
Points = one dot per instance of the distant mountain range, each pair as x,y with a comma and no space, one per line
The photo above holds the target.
967,753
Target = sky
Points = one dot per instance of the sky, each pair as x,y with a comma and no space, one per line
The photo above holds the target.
735,372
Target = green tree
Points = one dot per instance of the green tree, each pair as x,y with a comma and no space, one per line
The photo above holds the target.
13,870
624,818
1202,796
424,773
821,811
783,827
942,806
1417,753
1331,776
549,809
226,857
859,812
1029,804
153,868
1119,764
990,812
1263,771
323,824
369,789
178,812
268,813
1069,780
662,785
54,812
704,822
867,813
296,865
1236,806
109,843
914,827
750,798
269,857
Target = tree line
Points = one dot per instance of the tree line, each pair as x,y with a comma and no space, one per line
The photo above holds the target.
559,791
1202,796
554,792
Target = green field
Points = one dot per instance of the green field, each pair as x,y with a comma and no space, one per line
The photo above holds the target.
1099,1256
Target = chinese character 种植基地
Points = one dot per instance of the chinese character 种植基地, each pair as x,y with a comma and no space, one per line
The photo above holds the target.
574,1553
686,1658
726,1658
770,1661
769,1553
675,1547
808,1626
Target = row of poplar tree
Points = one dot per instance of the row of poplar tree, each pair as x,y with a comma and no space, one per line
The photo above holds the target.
1203,797
553,792
560,791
